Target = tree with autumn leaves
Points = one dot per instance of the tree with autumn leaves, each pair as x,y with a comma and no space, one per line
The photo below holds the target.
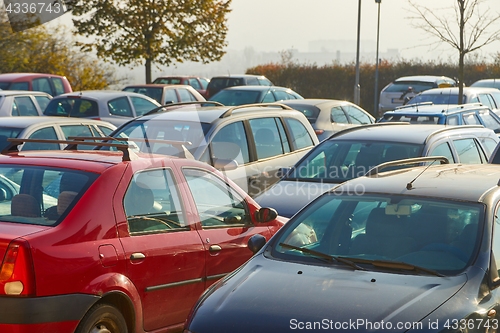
147,32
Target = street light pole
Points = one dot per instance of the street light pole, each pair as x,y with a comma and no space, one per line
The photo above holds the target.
375,109
357,88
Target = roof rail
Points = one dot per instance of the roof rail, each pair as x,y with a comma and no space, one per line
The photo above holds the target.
181,145
166,106
356,128
412,105
72,145
230,111
375,170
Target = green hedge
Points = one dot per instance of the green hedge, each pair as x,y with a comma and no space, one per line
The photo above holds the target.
336,81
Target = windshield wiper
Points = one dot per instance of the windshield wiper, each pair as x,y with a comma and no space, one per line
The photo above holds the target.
398,265
322,255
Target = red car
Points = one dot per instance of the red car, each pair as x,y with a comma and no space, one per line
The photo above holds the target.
49,83
197,82
99,241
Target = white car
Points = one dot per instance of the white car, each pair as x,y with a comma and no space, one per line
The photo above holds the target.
23,103
114,106
52,128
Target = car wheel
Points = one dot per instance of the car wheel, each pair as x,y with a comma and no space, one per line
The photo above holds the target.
102,318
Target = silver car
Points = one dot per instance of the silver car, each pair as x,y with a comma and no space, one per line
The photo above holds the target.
23,103
114,106
50,128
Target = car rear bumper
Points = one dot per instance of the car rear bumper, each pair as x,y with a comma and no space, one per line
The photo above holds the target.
43,314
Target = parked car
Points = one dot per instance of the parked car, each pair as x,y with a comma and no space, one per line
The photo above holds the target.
250,143
114,106
487,83
49,83
254,94
328,116
50,128
217,83
353,152
116,242
197,82
23,103
401,251
402,89
167,93
465,114
449,96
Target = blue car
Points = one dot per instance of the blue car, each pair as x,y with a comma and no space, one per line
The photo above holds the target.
408,250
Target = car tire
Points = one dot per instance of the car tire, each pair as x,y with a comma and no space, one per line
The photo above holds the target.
103,318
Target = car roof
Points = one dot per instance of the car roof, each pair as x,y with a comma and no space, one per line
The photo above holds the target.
25,121
14,76
209,114
438,109
401,132
158,85
23,92
236,76
98,94
454,90
447,181
423,78
257,88
313,101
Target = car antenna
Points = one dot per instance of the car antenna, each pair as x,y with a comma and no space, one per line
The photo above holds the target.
409,186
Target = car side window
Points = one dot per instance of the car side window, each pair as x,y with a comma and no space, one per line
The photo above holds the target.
489,144
282,95
170,96
42,84
495,247
230,143
142,105
357,116
217,203
194,83
283,137
468,151
120,107
452,120
337,115
186,96
487,100
471,119
152,203
24,106
252,81
105,130
76,130
58,86
488,120
300,135
443,150
42,101
47,133
266,138
20,86
268,97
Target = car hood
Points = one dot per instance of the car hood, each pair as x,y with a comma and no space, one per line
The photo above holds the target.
275,296
289,196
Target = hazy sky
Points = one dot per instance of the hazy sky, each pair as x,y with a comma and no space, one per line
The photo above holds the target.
276,25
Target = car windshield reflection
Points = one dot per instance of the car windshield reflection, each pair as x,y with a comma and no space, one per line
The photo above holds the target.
389,233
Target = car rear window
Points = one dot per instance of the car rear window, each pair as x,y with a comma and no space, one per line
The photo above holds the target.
236,97
412,119
417,86
39,195
310,111
72,107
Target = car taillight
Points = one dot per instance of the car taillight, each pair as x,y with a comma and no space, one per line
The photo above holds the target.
319,131
16,273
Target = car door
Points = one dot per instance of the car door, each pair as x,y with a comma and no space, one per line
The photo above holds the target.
164,253
226,222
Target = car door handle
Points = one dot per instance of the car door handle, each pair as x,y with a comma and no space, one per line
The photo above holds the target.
137,256
214,248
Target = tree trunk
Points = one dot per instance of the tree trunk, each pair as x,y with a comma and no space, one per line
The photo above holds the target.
461,53
148,70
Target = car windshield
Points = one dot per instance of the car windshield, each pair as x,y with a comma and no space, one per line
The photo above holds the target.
153,92
236,97
72,107
451,98
337,160
402,86
376,231
191,134
39,195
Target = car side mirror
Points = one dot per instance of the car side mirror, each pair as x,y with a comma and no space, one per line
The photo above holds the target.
265,215
224,164
256,242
